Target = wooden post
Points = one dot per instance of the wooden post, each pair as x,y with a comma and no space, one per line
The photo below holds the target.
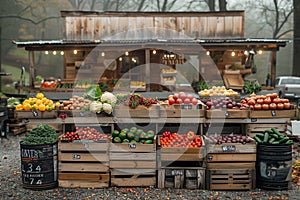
148,73
273,67
31,68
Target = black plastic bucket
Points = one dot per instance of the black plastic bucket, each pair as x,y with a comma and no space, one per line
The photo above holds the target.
39,166
274,166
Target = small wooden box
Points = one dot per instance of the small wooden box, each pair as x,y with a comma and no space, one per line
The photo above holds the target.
35,114
228,114
83,165
181,111
181,177
273,113
133,164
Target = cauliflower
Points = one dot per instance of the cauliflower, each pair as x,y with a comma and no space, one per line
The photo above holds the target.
96,107
109,98
107,108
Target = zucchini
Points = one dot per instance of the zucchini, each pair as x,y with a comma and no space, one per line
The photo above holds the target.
276,142
260,135
283,140
274,135
257,139
272,140
268,131
289,142
277,132
266,137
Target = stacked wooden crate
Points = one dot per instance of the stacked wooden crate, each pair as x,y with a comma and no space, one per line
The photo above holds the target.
181,167
132,164
231,166
83,164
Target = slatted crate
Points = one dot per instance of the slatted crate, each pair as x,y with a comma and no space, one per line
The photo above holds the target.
132,164
35,114
230,179
83,165
252,129
181,177
121,111
231,166
179,111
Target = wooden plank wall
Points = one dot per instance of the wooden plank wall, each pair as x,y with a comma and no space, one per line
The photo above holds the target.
86,26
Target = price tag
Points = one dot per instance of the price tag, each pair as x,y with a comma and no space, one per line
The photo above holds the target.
76,156
273,113
35,113
199,106
26,121
81,114
253,119
229,148
186,106
226,114
209,157
177,172
132,146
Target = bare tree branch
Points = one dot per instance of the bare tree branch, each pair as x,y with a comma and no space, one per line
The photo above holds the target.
27,19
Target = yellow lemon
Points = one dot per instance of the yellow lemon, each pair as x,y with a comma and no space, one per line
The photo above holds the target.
27,107
34,107
42,107
39,95
19,107
26,101
38,102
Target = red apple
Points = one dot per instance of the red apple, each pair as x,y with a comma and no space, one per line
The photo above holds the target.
194,101
178,101
189,96
187,101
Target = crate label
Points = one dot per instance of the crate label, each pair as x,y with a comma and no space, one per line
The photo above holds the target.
132,146
177,172
199,106
81,114
253,119
186,106
226,114
26,121
273,113
35,113
229,148
209,157
76,156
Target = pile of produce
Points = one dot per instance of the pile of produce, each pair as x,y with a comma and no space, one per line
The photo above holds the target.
135,100
272,136
133,135
42,134
12,102
75,103
217,91
224,103
266,102
182,98
296,172
39,102
49,84
86,133
186,140
231,138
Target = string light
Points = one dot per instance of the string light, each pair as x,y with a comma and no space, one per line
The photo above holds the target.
102,54
62,53
154,51
259,52
75,51
126,53
208,53
46,52
233,53
54,52
120,59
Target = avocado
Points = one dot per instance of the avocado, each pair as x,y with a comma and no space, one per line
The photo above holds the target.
117,140
133,129
115,133
149,142
150,136
151,132
122,135
139,131
143,135
125,140
130,135
133,141
136,138
125,130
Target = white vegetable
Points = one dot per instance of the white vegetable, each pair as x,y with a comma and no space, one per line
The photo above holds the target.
109,98
96,107
107,108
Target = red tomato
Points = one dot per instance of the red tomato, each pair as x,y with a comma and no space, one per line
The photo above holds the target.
179,101
257,107
187,101
287,105
260,101
265,106
274,95
194,101
171,101
251,102
280,106
277,100
285,101
182,95
267,101
189,96
273,106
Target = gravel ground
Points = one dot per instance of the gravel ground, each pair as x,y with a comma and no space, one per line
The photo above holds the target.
11,186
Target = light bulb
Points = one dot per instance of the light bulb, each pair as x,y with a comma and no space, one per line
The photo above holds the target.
62,53
233,53
207,53
259,52
54,52
120,59
75,51
102,54
154,51
126,53
46,52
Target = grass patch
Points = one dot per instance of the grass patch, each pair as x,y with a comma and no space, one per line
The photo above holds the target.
15,71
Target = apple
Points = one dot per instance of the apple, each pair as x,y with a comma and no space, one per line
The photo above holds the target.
230,106
176,96
178,101
194,101
182,95
187,101
171,101
189,96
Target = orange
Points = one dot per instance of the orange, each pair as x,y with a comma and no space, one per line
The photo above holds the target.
42,107
39,95
27,107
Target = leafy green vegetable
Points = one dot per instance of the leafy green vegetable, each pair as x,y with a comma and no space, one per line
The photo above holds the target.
93,93
42,134
251,87
12,102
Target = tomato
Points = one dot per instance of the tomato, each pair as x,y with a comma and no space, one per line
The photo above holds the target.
287,105
187,101
260,101
273,106
265,106
171,101
175,96
194,101
251,107
257,107
263,97
267,101
285,101
274,95
277,100
243,101
280,106
251,102
179,101
182,95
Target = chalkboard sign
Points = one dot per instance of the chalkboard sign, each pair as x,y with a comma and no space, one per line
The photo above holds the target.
229,148
186,106
39,166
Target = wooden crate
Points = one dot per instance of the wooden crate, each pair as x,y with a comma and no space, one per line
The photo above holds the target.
83,165
57,127
230,155
252,129
273,113
228,114
181,177
178,111
230,179
140,112
132,164
36,114
16,126
77,113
